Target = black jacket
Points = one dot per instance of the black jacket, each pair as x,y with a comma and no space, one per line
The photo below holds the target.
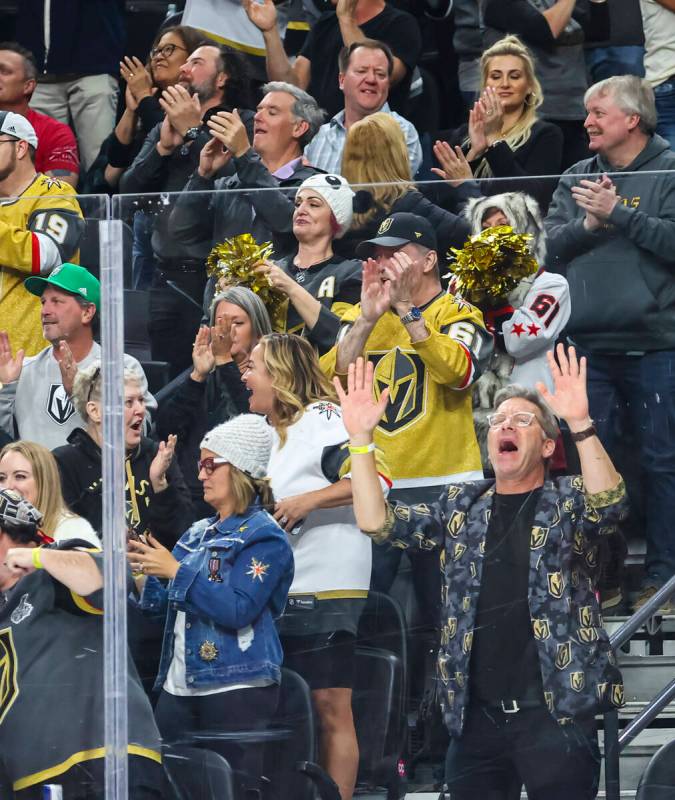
193,409
167,515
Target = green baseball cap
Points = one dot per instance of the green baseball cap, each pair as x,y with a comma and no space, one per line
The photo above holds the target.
71,278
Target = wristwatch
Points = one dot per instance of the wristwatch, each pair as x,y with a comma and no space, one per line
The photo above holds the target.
412,316
585,434
191,133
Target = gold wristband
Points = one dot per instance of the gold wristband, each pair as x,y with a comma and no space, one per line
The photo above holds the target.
361,449
37,560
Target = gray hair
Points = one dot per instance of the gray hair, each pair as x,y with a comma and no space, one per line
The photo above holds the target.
88,386
305,108
248,302
547,418
632,95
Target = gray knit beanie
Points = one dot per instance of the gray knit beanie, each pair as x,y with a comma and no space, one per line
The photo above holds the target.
338,194
245,441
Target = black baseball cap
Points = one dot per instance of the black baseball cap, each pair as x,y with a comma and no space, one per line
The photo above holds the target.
397,230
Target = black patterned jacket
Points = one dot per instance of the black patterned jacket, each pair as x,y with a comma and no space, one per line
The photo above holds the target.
578,668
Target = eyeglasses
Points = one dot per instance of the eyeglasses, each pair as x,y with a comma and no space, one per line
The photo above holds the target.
521,419
166,51
209,465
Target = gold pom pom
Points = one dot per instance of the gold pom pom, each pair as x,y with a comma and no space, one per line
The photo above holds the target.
491,264
234,263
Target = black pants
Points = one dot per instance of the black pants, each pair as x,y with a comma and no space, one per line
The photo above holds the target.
86,781
498,753
219,719
174,320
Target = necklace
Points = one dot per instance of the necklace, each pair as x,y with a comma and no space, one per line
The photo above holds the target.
507,532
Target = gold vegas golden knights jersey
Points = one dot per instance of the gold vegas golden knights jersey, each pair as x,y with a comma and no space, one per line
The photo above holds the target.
38,231
426,433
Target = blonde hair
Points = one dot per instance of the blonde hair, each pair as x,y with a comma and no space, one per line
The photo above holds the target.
245,489
297,378
376,152
520,132
88,387
49,498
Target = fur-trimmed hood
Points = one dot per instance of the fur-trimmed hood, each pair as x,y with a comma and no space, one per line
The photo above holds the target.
520,209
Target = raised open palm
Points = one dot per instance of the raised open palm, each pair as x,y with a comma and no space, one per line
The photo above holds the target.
569,400
361,413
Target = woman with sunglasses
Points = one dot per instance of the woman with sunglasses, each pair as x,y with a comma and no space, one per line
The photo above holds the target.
157,499
309,470
228,579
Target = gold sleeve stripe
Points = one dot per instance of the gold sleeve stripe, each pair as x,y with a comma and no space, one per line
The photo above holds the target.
78,758
608,497
83,605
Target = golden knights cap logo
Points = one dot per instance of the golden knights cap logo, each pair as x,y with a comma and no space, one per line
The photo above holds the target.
538,537
563,656
577,681
384,227
467,641
556,584
617,696
456,523
9,667
541,629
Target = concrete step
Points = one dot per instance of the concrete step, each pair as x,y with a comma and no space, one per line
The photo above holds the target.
636,756
645,676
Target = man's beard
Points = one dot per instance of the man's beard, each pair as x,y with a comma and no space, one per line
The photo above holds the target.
9,169
204,91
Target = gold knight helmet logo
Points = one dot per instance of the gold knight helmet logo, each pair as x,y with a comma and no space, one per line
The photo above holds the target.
467,642
556,584
538,537
548,697
563,656
617,697
577,681
9,688
541,629
585,616
459,551
452,627
455,523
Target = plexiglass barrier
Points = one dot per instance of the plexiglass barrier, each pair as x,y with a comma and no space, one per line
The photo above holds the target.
249,625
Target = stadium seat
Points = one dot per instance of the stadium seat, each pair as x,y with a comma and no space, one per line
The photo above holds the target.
658,780
196,774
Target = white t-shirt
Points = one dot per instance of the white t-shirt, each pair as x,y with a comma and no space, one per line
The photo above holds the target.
330,552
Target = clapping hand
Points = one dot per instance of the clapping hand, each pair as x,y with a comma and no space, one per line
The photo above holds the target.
67,364
161,463
454,167
182,109
375,298
10,366
213,157
202,357
569,400
361,412
152,558
227,127
137,77
597,198
485,122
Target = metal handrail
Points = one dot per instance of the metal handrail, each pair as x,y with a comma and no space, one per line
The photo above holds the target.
614,743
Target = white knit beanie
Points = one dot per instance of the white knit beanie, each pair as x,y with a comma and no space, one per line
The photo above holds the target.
245,441
338,194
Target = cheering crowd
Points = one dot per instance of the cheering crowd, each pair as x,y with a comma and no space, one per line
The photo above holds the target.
373,338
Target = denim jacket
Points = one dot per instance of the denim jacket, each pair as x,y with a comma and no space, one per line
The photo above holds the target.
232,583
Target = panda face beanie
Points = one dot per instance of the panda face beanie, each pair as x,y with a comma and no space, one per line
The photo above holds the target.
339,196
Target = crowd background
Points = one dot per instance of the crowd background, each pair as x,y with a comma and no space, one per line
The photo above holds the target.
447,120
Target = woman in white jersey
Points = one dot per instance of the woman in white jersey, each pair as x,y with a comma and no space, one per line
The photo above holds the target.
309,471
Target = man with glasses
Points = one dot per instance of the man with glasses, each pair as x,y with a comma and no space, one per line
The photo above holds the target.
524,663
40,227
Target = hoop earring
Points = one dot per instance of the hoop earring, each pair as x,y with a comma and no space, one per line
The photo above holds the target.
530,99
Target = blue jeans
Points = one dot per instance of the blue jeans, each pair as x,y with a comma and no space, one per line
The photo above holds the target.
642,389
604,62
664,94
142,256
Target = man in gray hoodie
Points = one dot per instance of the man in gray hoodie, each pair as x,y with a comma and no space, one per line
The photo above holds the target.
613,234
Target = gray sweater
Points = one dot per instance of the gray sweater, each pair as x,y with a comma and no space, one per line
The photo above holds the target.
620,276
